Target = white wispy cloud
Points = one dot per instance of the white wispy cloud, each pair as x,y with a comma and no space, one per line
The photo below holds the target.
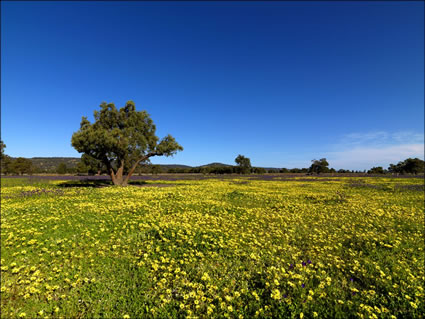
361,151
361,138
382,138
406,137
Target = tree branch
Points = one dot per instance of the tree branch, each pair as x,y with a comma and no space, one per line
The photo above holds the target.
143,158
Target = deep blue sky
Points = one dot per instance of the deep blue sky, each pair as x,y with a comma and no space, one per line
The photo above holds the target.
279,82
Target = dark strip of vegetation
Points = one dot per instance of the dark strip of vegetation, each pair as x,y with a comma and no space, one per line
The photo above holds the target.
87,166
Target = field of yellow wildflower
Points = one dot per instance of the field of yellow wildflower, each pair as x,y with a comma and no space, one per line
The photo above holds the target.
234,248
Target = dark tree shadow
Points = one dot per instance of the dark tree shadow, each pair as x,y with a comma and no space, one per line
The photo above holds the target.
137,183
95,183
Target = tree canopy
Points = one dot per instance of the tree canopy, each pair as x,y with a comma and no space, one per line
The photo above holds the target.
376,170
409,166
319,166
121,139
62,168
244,164
90,165
2,147
5,160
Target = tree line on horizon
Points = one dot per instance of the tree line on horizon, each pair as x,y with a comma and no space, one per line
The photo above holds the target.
90,166
122,141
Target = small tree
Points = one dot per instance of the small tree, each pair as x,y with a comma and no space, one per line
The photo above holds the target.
376,170
244,164
2,147
121,139
319,166
5,160
259,170
62,169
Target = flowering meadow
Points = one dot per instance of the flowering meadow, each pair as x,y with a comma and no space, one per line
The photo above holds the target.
235,248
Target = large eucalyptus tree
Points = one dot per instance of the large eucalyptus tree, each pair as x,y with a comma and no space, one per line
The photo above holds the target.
121,139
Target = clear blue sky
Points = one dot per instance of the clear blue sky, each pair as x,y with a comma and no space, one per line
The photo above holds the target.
279,82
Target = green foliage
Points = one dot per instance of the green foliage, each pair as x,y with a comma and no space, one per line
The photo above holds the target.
408,166
376,170
215,168
21,166
344,171
319,166
62,169
259,170
121,139
156,169
272,170
244,164
50,164
92,165
2,147
5,160
298,170
82,168
151,169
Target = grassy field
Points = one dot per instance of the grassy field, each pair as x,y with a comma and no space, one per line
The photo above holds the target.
299,248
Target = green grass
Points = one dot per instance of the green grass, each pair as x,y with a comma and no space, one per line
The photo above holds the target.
337,248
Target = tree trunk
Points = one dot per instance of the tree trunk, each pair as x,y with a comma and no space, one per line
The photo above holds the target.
117,177
133,168
111,171
112,174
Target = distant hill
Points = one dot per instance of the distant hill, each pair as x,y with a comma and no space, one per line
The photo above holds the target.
173,166
215,164
51,163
